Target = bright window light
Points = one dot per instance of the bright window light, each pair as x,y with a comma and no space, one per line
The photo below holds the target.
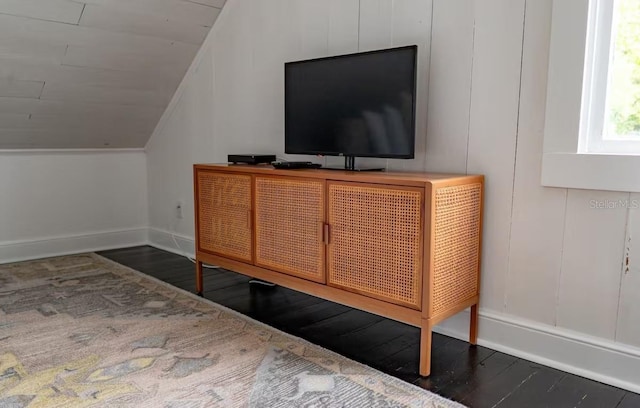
611,108
622,120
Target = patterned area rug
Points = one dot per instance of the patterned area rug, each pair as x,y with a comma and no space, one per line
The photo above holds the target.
80,331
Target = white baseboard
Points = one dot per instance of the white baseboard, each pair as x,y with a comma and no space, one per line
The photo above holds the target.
16,251
576,353
172,242
598,359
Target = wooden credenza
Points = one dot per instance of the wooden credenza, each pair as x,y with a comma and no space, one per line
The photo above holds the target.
401,245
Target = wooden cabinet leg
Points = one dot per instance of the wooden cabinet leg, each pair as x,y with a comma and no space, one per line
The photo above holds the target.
473,325
199,287
425,348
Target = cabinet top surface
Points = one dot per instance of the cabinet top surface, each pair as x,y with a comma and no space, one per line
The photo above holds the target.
376,176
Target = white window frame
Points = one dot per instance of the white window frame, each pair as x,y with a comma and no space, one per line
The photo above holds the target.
578,63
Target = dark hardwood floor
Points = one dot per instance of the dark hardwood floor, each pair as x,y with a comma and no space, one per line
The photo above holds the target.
473,375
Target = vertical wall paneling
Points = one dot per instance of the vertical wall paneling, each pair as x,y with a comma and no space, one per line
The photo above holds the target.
313,31
537,223
376,24
388,23
194,150
233,82
343,37
550,255
344,16
314,28
628,329
375,32
183,136
493,119
449,85
411,25
591,263
308,21
273,40
191,120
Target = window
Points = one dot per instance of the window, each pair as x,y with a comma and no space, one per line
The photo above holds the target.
592,128
611,90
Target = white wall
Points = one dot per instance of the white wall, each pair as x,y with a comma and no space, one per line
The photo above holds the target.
232,101
63,202
554,288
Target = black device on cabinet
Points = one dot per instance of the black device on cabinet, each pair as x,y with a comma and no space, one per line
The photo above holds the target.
251,158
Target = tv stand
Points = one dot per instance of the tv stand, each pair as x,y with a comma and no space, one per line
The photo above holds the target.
401,245
350,165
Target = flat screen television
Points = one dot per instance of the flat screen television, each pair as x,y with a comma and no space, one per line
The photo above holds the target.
352,105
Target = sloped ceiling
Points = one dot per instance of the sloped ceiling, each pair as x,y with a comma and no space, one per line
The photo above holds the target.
93,73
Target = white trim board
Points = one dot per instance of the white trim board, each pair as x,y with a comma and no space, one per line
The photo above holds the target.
594,358
564,164
16,251
591,171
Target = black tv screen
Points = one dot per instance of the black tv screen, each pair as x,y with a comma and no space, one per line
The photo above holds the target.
352,105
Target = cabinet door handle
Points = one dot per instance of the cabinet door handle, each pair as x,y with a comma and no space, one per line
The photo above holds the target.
249,223
325,234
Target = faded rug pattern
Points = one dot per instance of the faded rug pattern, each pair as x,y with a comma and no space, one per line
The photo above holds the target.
83,331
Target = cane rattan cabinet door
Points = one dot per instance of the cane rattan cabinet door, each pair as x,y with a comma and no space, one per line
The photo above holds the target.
456,245
289,226
224,214
375,241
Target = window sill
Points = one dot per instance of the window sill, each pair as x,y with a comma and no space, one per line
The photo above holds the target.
591,171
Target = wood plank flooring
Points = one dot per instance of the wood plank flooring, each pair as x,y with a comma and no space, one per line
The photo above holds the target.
475,376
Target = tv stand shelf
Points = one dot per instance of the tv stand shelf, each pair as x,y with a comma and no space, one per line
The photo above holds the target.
401,245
